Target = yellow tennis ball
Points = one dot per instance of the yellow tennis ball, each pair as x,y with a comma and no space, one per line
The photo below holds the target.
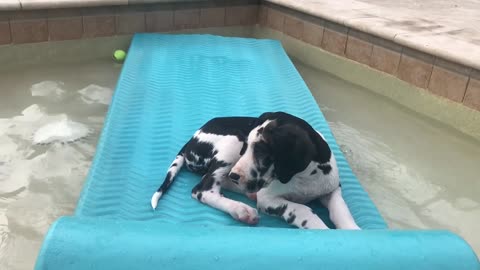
119,55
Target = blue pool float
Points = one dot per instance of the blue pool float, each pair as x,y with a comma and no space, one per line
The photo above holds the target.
169,86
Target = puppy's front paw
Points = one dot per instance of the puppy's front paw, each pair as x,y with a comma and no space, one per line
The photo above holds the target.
245,213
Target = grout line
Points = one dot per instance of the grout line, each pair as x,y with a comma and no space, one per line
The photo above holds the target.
11,30
466,88
346,42
399,61
431,73
323,34
48,29
83,30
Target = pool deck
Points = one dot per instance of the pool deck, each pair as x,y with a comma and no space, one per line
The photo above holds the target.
444,28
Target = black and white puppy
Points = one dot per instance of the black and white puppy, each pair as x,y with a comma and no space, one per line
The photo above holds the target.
295,163
277,158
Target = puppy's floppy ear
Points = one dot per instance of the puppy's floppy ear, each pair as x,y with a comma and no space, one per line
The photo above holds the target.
265,116
261,119
268,132
291,147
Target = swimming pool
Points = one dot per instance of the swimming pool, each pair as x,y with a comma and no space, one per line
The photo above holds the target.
419,172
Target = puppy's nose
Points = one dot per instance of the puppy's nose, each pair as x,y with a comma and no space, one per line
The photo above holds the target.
234,176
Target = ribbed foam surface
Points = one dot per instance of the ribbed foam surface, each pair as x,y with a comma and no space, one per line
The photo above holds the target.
170,85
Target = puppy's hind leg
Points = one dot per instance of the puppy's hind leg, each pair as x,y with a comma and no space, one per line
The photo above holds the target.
338,210
208,192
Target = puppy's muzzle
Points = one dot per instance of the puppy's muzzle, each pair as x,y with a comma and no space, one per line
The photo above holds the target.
234,177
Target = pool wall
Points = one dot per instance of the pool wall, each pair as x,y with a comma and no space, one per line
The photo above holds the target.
422,80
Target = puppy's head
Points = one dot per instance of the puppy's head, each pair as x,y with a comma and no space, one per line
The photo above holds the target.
277,149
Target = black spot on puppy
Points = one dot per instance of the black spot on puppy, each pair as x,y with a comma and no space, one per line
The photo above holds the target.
313,172
304,223
260,183
199,196
236,126
251,185
276,211
291,218
244,148
253,173
326,168
174,165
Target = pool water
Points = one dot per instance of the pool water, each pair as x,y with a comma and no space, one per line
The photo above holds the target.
418,172
41,175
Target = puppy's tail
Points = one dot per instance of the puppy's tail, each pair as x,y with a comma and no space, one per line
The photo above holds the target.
173,170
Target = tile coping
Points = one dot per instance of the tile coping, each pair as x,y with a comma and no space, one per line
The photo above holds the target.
9,5
464,53
354,17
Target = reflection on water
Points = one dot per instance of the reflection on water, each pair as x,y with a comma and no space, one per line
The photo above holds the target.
419,173
50,118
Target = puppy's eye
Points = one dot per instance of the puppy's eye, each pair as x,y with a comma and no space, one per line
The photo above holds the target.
261,153
267,161
260,149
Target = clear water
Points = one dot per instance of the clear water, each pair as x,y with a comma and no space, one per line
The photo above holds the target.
419,173
50,104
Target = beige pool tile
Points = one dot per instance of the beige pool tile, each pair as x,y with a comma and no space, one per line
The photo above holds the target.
262,15
385,56
64,13
187,18
212,17
415,68
385,59
275,19
65,28
98,26
130,23
334,38
159,21
5,37
28,31
313,33
30,15
293,27
359,47
241,15
472,95
449,80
